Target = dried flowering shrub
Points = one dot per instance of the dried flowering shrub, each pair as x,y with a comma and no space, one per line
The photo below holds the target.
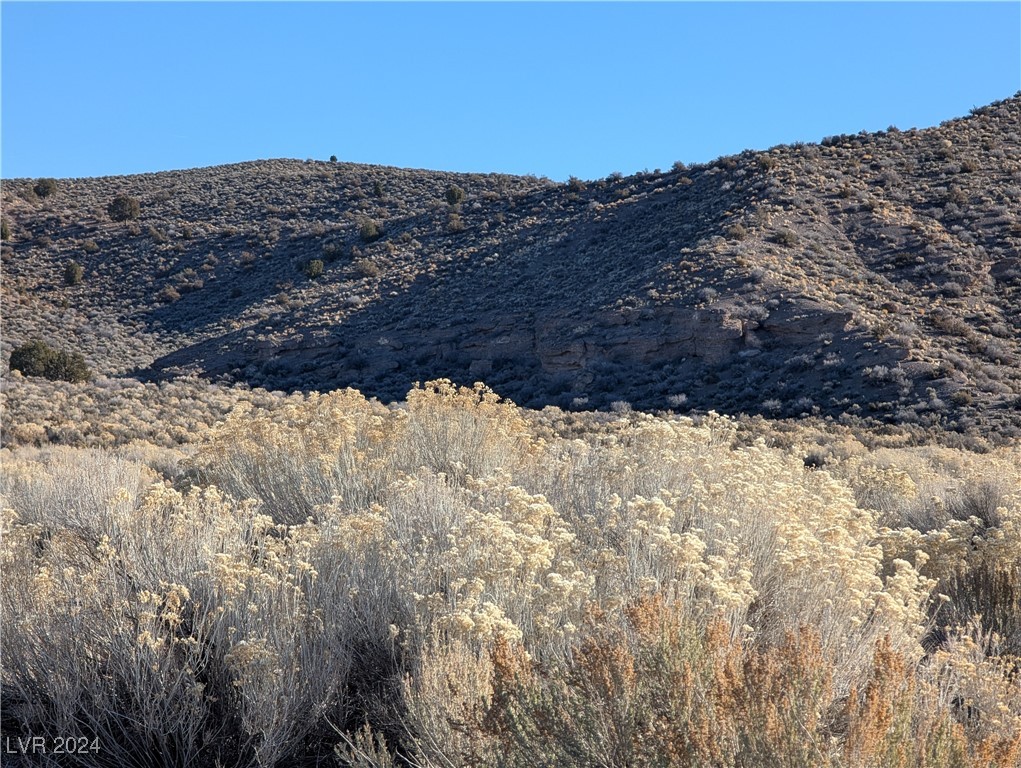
445,584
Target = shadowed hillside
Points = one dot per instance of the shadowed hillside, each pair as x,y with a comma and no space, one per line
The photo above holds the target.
875,276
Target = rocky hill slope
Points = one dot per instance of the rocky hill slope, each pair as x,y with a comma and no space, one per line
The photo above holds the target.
874,276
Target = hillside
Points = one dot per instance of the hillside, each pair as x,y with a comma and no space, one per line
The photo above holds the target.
874,277
212,562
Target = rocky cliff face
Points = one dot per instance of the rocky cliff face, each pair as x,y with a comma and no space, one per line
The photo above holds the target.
876,276
652,358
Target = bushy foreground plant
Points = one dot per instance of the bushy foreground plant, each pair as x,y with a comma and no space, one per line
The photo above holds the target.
959,511
435,585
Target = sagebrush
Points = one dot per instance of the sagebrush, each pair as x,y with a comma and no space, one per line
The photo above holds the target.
443,583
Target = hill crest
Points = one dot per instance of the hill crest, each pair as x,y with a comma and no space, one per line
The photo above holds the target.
870,276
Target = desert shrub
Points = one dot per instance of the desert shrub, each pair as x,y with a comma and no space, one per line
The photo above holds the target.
36,358
786,237
159,237
314,268
708,294
471,588
462,430
574,184
265,455
737,232
123,208
454,195
964,520
5,230
73,273
455,224
31,358
969,165
190,666
188,280
68,366
333,158
366,267
333,251
962,397
655,692
90,246
370,230
971,538
648,688
168,294
45,187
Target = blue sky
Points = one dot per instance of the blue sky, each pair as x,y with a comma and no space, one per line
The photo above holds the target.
552,89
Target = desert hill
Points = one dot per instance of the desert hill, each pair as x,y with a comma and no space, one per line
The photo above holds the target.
873,277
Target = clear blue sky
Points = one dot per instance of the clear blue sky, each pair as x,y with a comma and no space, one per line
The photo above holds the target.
551,89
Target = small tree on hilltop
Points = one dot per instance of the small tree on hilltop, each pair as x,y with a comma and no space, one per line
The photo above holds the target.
455,195
45,187
123,208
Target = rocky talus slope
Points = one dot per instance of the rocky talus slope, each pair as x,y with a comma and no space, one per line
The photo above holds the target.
873,276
